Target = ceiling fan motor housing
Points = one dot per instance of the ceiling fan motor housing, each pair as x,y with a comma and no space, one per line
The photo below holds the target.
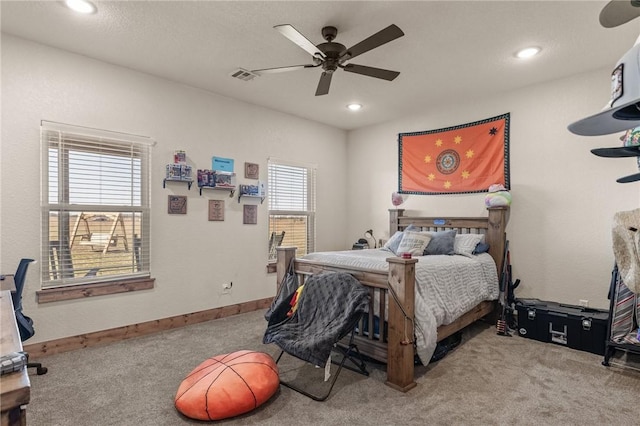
329,33
332,53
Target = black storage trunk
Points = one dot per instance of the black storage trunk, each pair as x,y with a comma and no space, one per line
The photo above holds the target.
579,328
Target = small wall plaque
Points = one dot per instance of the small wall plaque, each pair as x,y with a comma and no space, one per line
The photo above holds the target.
250,214
251,170
177,204
216,210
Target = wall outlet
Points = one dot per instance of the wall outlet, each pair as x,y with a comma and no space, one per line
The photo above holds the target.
226,288
584,303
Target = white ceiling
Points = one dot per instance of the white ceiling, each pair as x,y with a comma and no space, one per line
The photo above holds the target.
452,51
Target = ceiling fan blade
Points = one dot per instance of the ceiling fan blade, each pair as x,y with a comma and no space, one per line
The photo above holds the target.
371,72
617,13
283,69
324,83
386,35
295,36
630,178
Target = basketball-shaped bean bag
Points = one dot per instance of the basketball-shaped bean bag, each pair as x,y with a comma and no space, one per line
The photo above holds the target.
228,385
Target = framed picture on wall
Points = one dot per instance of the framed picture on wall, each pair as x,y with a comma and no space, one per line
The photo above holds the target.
251,170
250,214
216,210
177,204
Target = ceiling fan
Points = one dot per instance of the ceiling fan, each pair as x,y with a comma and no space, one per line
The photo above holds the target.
619,12
331,55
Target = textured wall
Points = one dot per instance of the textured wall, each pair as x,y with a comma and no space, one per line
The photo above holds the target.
563,196
191,257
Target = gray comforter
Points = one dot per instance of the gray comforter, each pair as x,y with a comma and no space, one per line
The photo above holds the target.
329,307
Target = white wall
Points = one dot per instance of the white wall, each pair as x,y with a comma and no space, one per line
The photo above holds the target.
564,197
191,257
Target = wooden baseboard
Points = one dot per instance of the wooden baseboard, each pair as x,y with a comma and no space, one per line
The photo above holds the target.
103,337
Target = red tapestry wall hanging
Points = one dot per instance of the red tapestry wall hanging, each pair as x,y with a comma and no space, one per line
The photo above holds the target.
460,159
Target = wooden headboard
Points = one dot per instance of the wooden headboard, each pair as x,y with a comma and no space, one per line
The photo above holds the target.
493,227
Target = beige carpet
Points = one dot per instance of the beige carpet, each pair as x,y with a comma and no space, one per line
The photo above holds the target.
487,380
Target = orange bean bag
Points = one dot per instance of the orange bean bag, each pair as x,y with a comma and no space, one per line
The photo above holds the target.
228,385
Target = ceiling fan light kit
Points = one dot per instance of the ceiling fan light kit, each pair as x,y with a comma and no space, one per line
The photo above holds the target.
332,55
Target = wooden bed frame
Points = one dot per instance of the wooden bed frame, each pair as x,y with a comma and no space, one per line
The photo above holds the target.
391,345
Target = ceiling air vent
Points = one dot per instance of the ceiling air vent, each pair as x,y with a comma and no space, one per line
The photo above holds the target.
242,74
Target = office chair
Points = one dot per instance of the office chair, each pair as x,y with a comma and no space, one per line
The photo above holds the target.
25,324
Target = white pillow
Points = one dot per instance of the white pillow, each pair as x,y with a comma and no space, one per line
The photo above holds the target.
464,244
394,242
414,243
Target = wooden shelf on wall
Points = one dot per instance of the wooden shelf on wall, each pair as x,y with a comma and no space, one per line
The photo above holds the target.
219,188
188,182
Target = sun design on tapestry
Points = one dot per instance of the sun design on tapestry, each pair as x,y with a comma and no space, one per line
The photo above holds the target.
448,162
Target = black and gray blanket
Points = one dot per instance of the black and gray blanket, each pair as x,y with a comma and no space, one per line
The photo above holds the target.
329,307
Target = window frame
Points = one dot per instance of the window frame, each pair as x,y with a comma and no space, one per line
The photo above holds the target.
56,283
310,205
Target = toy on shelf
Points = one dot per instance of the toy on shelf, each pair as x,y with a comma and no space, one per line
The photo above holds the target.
225,179
257,191
180,157
216,179
179,170
206,178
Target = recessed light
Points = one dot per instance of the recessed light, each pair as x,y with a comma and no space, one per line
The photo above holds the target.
81,6
528,52
354,107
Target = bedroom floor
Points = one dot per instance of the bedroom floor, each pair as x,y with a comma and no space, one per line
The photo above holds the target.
488,379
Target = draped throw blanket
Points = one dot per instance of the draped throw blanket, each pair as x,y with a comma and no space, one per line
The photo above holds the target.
328,309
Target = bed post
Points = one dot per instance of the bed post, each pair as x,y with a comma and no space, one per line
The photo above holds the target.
284,256
400,351
496,234
394,214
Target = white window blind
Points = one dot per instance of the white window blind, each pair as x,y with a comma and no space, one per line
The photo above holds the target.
95,205
292,205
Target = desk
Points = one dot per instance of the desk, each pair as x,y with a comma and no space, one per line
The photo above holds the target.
15,388
8,283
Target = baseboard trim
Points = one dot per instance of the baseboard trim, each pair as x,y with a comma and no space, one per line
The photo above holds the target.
103,337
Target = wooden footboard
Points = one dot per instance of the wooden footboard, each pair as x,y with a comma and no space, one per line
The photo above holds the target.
393,345
393,293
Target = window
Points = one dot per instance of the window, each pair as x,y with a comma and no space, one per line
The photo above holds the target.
292,205
95,205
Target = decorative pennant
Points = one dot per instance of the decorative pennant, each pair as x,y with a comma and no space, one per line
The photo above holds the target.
460,159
